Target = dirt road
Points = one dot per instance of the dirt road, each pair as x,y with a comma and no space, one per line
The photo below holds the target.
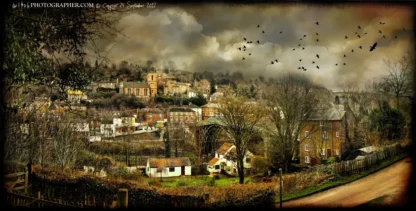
391,182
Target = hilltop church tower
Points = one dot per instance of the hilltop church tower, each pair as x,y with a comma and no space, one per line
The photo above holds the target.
152,81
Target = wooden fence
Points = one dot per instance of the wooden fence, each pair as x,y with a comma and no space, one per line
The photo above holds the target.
356,166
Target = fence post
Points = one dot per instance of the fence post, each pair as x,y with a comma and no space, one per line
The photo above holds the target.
281,185
26,179
122,198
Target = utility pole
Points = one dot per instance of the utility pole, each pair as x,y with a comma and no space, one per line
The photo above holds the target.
281,184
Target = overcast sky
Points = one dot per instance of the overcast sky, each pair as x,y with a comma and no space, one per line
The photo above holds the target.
207,37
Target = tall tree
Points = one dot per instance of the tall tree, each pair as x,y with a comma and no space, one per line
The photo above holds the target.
400,79
240,120
290,102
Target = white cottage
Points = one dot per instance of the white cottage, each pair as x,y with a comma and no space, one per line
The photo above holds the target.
168,167
226,160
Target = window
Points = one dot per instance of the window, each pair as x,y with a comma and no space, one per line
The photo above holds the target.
217,166
306,159
171,169
306,134
325,135
323,152
150,116
152,77
336,152
248,160
322,123
137,92
337,134
128,91
145,92
186,118
211,113
306,147
160,115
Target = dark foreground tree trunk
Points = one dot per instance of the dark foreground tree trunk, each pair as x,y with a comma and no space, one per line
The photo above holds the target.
240,169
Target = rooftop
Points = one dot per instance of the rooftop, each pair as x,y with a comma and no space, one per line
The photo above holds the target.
328,114
135,85
169,162
224,148
181,110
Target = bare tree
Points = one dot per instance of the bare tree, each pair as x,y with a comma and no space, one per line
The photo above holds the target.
240,120
65,144
290,102
399,80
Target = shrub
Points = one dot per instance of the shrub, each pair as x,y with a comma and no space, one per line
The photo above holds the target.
324,161
259,165
216,177
154,182
331,160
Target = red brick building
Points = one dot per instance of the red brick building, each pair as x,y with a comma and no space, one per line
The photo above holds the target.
325,135
209,110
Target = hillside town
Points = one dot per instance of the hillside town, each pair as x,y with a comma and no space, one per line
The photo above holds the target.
169,107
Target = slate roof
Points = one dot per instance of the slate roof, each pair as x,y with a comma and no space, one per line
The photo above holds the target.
224,148
213,161
169,162
181,110
328,114
135,85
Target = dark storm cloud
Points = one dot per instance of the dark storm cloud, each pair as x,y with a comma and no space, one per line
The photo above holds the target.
206,37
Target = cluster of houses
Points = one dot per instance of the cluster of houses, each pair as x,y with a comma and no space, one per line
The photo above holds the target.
325,135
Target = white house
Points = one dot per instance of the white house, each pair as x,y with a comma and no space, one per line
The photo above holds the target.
198,111
225,159
108,130
168,167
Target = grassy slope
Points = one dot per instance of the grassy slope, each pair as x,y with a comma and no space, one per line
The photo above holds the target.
340,181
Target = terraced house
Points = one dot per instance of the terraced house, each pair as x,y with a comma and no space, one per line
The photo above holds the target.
325,135
181,115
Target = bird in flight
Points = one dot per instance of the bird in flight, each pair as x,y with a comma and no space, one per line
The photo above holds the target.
344,64
352,50
303,48
361,47
258,26
336,64
299,68
373,46
258,42
304,35
263,32
365,33
317,23
272,62
317,40
239,48
293,49
244,58
300,60
317,67
244,46
346,37
317,55
249,54
345,55
384,36
317,33
281,32
395,37
356,32
313,62
300,38
276,60
379,31
358,36
299,45
245,39
359,27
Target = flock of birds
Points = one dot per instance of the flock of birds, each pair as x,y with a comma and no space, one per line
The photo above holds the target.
275,61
